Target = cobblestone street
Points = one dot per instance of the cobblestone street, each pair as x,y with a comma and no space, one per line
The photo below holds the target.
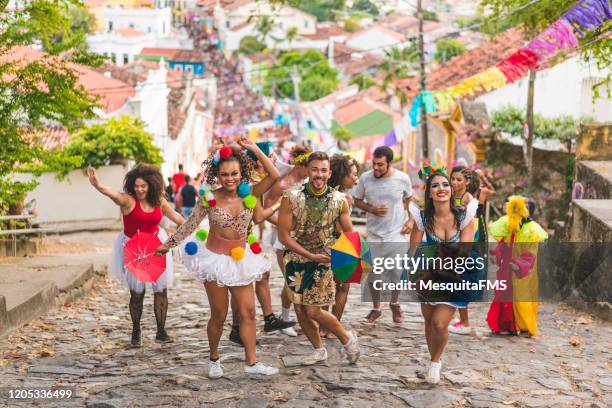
83,346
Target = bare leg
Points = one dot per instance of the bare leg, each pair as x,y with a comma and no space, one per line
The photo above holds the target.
463,316
235,313
342,291
427,311
218,302
308,326
286,302
262,290
246,307
328,320
441,316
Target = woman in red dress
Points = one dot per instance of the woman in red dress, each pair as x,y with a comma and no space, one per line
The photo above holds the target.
142,206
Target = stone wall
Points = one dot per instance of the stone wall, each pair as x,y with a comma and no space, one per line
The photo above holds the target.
595,142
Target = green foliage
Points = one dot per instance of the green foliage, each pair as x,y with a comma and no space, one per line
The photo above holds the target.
351,25
366,6
111,142
363,81
429,15
264,26
317,77
511,120
250,45
396,66
34,92
344,134
448,48
324,10
292,34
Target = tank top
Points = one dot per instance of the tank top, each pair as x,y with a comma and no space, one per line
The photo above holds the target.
138,219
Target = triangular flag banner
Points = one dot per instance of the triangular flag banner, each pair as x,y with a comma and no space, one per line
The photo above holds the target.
588,15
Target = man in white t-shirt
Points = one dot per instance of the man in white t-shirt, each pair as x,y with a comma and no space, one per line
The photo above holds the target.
384,194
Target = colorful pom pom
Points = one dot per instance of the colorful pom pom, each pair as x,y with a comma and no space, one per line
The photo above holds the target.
225,152
202,192
204,203
250,201
216,158
201,234
255,248
251,239
237,253
212,203
191,248
210,198
244,189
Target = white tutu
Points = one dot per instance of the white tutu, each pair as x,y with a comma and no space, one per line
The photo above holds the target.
118,271
209,266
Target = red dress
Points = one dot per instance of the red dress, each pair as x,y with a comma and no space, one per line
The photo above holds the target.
140,220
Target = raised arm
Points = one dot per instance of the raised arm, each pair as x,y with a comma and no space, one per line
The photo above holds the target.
169,212
192,223
121,199
345,218
272,172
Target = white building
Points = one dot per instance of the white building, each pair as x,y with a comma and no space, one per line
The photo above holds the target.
235,21
375,39
148,20
565,89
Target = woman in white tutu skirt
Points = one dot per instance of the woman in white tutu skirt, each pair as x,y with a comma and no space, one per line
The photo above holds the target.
226,262
142,206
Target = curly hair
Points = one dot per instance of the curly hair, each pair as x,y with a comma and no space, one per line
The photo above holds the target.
340,166
299,150
152,176
212,170
430,211
473,181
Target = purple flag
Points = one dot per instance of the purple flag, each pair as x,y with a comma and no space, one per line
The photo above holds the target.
390,138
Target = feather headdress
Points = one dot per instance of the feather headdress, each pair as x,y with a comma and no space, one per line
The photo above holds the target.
516,209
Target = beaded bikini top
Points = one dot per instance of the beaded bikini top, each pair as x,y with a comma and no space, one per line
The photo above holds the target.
221,218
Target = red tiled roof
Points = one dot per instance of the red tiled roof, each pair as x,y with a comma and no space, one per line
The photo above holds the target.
189,56
241,26
325,32
159,52
354,110
362,64
342,53
391,33
467,64
112,92
233,5
53,136
129,32
398,22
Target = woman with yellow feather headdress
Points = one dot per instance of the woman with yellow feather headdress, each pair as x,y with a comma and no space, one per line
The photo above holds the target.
515,309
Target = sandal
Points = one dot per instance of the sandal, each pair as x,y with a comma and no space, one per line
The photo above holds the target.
398,313
373,316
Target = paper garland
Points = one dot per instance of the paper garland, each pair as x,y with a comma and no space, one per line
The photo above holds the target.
586,15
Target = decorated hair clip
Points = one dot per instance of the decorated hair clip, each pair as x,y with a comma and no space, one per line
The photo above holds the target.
208,199
429,169
301,158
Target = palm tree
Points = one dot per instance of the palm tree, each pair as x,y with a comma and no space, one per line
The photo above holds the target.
264,27
396,66
292,35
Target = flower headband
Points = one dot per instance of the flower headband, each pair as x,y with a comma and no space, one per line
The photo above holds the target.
301,158
428,170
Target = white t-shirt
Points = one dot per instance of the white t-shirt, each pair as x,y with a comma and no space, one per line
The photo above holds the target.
391,192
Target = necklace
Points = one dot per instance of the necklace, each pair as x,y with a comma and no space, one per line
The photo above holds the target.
314,193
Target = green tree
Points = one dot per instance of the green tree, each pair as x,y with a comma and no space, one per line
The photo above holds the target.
363,81
448,48
351,25
35,90
429,15
264,26
317,77
250,45
292,35
111,142
344,134
398,64
323,10
366,6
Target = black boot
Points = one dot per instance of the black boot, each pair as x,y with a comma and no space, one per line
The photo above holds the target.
234,336
160,307
136,301
274,323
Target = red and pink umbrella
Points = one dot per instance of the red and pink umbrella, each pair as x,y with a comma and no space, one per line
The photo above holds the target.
139,257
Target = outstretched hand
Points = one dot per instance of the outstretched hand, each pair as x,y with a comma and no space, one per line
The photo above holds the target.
93,177
161,250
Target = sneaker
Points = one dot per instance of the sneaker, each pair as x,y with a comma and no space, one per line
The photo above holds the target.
352,348
433,374
162,337
454,320
459,328
261,369
136,341
274,323
289,331
234,336
214,369
318,356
